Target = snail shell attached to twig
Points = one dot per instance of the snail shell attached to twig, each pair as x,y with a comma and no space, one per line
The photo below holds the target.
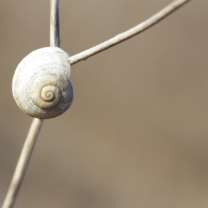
41,86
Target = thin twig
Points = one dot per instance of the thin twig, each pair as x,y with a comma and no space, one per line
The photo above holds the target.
36,125
22,163
129,33
54,42
54,24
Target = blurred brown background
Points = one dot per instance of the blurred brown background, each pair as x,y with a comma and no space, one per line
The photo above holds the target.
136,134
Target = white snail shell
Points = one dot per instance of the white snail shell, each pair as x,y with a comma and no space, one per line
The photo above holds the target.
41,86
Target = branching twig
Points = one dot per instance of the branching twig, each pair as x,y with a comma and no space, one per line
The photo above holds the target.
129,33
36,125
55,41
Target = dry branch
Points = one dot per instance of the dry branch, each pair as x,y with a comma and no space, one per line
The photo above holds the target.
37,123
54,24
54,42
22,163
129,33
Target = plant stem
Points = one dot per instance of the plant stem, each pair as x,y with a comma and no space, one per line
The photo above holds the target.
54,24
36,125
129,33
55,42
22,163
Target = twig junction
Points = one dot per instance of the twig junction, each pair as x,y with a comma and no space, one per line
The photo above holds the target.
54,42
36,125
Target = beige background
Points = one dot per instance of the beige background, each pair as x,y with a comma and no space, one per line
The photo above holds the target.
136,134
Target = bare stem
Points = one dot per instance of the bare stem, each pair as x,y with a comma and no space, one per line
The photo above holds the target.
22,163
54,24
36,125
129,33
55,42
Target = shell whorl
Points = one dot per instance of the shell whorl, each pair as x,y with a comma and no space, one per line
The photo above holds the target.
41,84
45,91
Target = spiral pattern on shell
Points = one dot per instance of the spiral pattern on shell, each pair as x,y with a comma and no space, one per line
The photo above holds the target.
41,85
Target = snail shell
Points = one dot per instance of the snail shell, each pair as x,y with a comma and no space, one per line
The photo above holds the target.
41,86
